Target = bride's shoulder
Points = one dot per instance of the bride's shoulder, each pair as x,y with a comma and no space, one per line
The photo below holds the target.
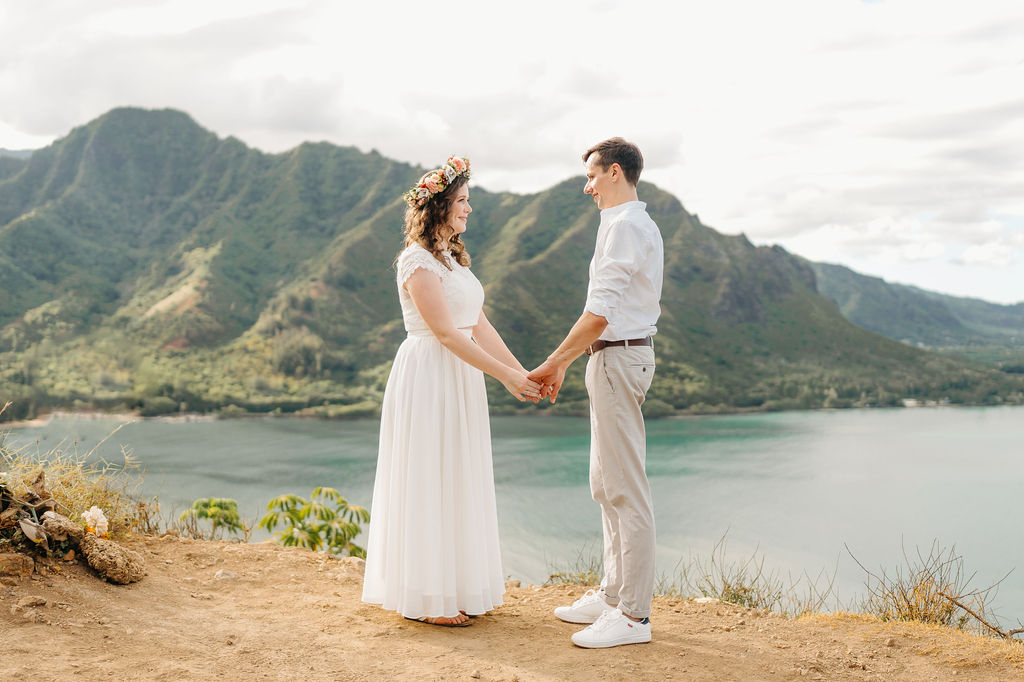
411,249
415,253
416,256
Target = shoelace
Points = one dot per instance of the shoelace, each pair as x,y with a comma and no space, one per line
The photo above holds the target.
585,599
605,619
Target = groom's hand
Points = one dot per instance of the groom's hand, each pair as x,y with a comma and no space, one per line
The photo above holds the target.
550,376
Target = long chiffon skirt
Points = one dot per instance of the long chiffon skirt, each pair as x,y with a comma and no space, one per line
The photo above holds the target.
433,539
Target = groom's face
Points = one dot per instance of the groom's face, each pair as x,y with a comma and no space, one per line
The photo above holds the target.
599,180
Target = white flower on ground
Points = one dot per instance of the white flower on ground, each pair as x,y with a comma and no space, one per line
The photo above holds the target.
95,520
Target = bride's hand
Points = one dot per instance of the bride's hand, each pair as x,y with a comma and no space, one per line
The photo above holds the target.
520,386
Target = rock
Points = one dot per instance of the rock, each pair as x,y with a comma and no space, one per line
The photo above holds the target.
38,486
355,564
14,564
513,583
29,602
26,607
70,556
475,674
707,600
224,574
29,613
112,561
61,527
11,512
890,642
34,532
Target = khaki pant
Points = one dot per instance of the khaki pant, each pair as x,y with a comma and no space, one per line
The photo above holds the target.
617,381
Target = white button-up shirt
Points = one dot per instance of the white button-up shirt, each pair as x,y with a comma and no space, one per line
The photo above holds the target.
626,272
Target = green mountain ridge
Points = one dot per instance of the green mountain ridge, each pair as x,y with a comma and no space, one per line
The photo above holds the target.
920,317
147,263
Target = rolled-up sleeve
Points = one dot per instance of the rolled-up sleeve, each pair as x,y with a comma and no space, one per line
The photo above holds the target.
613,270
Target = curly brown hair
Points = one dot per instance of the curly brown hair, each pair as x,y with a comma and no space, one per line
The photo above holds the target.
427,225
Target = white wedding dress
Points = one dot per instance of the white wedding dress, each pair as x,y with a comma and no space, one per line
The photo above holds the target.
433,538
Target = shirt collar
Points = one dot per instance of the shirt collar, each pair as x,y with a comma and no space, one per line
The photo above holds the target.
616,211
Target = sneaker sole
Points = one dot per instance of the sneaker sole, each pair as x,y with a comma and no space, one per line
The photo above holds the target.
608,645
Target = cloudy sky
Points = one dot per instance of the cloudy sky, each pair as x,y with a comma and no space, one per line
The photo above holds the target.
887,135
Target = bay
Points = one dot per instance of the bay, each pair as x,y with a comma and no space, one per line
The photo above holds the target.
797,488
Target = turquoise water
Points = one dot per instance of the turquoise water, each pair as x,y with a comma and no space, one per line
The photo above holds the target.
791,486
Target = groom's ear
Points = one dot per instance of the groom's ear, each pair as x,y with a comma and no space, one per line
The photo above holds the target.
616,171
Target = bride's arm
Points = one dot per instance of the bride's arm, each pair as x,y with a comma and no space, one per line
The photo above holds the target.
488,338
428,296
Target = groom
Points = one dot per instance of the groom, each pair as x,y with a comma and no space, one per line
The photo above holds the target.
616,330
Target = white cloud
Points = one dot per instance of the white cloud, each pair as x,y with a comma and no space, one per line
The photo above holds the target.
886,134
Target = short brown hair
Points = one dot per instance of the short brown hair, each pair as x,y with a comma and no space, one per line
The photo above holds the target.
617,150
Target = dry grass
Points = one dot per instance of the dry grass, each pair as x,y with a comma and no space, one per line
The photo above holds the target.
585,569
931,588
746,582
76,484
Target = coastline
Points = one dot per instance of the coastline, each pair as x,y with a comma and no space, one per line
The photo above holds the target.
189,417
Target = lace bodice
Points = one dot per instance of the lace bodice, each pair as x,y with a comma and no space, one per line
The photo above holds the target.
462,289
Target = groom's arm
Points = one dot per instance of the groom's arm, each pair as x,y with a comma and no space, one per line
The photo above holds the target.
586,330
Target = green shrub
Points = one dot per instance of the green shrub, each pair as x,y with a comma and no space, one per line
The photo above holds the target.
221,512
158,405
655,408
232,412
314,524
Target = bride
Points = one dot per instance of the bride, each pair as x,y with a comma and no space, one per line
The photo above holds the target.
432,553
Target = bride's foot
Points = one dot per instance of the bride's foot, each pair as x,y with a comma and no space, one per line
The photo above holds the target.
459,621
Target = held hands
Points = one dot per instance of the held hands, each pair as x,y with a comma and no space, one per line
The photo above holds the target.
519,385
550,377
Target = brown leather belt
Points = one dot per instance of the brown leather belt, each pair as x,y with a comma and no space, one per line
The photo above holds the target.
599,344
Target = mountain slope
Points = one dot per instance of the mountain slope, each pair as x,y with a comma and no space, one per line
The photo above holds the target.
917,316
145,262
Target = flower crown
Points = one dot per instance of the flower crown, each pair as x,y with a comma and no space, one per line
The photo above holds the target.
436,181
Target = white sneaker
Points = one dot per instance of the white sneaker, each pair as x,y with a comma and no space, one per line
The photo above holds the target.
586,609
612,628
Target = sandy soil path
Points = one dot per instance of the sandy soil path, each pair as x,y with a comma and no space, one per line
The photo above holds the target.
212,610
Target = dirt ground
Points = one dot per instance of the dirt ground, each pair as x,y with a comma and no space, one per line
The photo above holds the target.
215,610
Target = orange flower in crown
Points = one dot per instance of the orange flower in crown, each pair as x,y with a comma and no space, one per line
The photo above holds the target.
436,181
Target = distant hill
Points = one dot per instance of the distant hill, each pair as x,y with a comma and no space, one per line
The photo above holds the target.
11,162
145,262
920,317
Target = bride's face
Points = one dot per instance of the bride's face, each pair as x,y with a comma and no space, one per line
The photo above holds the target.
460,210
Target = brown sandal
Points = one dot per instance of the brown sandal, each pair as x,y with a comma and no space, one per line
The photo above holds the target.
429,620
